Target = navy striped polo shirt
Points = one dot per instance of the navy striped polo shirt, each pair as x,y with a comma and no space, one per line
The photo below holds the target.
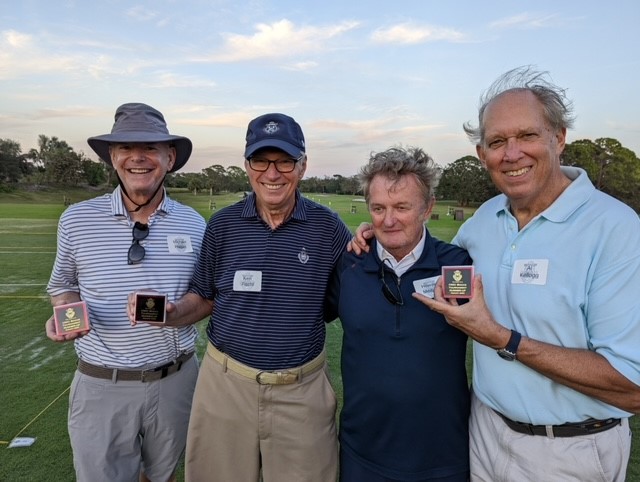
268,284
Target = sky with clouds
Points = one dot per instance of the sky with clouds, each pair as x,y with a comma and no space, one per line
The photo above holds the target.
358,76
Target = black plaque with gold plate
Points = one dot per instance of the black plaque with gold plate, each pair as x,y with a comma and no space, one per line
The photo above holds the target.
151,308
457,281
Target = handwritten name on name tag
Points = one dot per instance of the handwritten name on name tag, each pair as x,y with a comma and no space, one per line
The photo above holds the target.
247,281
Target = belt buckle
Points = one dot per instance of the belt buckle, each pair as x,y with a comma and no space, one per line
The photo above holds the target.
280,377
162,368
259,375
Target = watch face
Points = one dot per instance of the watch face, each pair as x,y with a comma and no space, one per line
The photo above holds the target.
509,351
506,354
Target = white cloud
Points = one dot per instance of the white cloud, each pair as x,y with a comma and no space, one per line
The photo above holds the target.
15,39
407,33
228,119
527,21
164,80
376,130
277,40
20,56
302,66
67,112
141,13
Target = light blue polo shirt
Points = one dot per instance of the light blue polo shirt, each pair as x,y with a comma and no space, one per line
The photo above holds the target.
569,278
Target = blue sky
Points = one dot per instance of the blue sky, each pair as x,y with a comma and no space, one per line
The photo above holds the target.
358,76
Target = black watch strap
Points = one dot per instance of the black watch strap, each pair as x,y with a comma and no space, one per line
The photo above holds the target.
509,351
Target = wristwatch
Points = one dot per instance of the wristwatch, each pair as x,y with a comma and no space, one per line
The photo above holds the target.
509,352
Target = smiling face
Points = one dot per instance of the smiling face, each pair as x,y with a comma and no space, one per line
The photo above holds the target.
521,151
398,213
275,191
142,167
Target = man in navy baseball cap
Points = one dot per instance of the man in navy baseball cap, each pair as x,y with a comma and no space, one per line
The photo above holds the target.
263,403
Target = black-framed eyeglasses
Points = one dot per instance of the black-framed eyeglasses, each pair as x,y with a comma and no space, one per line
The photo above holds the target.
388,292
136,251
282,165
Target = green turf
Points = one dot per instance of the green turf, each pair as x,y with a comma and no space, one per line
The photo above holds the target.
36,372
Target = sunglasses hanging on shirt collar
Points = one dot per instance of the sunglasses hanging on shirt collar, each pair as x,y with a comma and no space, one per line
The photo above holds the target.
136,251
388,292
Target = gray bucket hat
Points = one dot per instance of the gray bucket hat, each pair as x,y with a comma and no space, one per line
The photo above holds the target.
137,122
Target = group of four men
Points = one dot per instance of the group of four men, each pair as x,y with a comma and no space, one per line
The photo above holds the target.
557,263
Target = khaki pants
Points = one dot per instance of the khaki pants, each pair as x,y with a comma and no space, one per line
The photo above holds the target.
498,454
239,428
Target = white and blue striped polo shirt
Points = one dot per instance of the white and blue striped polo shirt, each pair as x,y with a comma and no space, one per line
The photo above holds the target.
276,320
94,237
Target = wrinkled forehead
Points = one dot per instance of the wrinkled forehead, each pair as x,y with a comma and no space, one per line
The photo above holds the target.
513,111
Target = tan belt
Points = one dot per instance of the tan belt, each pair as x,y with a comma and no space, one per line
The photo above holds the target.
152,374
286,376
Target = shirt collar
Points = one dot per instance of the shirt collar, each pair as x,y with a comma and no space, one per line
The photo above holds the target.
251,211
574,196
406,262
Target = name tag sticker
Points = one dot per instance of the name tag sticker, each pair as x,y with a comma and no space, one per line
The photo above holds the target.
179,243
530,272
247,281
426,286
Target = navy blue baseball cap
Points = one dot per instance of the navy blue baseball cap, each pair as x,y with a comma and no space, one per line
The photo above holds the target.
275,130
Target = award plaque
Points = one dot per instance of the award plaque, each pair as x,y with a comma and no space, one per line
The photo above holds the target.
457,281
71,318
151,308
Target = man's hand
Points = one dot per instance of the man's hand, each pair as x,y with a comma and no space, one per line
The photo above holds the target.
472,318
131,308
193,309
50,330
360,241
49,325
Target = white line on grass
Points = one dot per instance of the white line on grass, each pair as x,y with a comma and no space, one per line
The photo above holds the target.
26,247
17,354
23,284
38,297
45,361
27,252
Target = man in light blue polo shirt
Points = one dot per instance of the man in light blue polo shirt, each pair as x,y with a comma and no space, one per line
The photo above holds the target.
557,298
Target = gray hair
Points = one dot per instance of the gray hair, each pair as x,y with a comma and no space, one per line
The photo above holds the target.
558,109
396,162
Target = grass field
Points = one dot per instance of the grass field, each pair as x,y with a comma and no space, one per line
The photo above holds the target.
36,373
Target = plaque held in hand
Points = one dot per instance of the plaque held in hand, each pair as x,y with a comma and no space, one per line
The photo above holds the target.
457,281
151,308
71,318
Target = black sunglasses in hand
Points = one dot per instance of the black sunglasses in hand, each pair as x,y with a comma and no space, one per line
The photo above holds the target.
136,251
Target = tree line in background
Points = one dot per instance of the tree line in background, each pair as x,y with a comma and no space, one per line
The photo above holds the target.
612,168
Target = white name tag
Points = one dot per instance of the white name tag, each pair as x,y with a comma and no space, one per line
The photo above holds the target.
247,281
179,243
530,272
426,286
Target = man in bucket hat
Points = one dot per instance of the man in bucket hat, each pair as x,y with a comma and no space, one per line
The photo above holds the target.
131,394
263,403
